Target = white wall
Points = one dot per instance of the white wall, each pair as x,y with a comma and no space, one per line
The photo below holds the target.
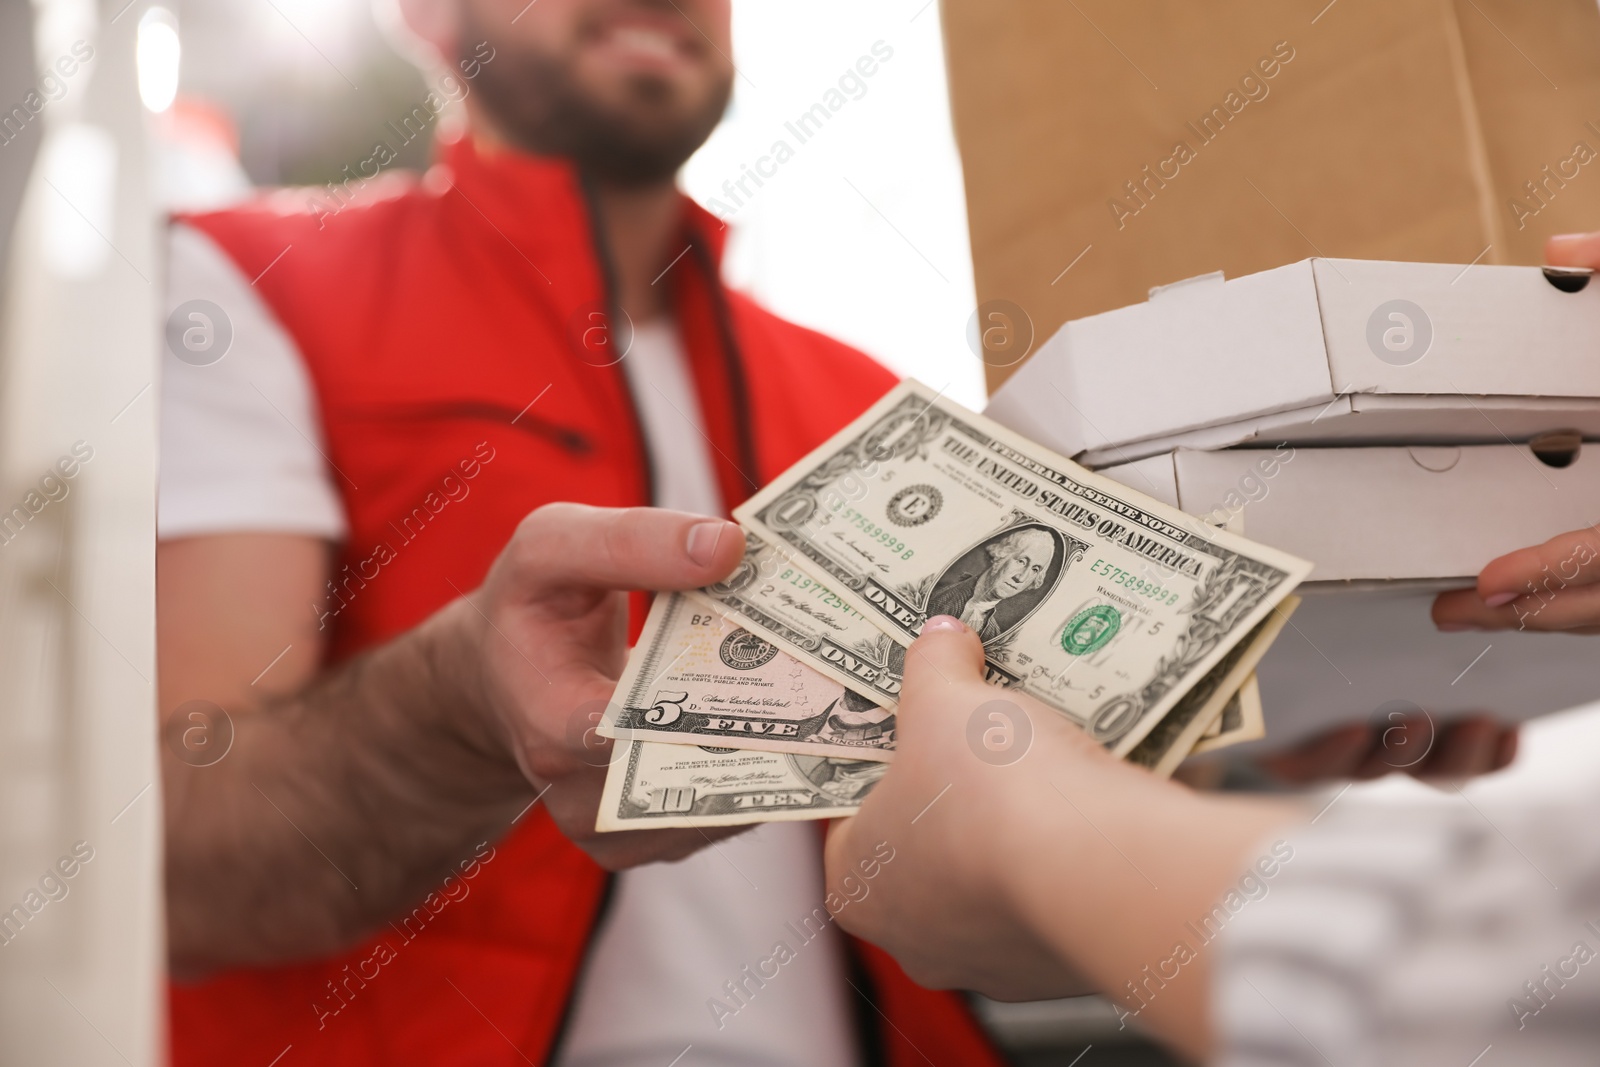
862,233
80,800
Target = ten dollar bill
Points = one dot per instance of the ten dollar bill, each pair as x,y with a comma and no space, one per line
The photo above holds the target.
652,785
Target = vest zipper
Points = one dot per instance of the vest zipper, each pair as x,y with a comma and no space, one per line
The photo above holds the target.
570,440
608,297
733,364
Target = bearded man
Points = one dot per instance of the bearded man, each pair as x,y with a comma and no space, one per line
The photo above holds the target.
399,516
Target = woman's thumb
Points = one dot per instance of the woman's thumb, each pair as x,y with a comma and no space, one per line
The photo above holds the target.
947,653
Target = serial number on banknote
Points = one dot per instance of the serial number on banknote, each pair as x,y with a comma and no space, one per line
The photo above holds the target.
922,508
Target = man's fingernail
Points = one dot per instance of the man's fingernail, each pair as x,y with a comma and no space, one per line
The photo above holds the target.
1499,600
703,540
942,623
1453,627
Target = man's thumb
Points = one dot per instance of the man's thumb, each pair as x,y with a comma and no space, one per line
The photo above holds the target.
947,653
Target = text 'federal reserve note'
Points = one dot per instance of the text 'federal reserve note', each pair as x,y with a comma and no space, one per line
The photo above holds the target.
1098,600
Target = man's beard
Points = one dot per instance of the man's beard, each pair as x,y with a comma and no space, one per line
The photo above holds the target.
536,104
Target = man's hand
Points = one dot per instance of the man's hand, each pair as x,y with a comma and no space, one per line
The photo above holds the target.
547,635
1554,587
362,786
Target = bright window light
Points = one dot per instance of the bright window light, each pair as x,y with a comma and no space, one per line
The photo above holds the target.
158,52
837,173
80,163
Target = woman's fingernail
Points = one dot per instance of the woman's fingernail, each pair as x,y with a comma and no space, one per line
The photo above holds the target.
1499,600
703,540
942,623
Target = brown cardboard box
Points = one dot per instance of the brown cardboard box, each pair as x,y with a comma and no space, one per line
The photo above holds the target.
1140,142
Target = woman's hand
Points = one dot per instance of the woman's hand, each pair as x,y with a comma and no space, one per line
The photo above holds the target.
1554,587
1573,250
945,815
1550,586
1005,852
1462,748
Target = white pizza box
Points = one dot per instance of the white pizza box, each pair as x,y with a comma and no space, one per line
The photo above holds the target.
1319,351
1388,529
1356,653
1378,419
1379,513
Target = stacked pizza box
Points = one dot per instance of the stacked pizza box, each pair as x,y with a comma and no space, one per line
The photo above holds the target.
1399,424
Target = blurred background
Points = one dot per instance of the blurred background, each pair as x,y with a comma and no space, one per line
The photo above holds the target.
81,956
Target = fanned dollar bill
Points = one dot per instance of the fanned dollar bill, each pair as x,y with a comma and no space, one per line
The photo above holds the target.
680,784
1242,720
771,596
1173,739
653,785
697,678
1103,603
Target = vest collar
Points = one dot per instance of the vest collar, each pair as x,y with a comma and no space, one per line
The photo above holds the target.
539,204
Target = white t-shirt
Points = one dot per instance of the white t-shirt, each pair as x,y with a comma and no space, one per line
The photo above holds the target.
241,449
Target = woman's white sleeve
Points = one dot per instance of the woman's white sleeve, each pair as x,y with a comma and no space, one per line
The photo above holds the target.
1440,931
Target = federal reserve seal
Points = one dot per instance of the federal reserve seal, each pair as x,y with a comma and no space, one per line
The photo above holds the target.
1090,630
744,651
914,505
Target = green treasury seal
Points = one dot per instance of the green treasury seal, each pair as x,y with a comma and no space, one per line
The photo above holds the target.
1090,629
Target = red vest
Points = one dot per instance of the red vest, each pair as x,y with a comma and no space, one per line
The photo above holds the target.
443,323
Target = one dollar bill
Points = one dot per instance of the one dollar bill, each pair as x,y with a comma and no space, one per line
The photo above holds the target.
695,677
1103,603
1242,720
1173,739
770,595
684,785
